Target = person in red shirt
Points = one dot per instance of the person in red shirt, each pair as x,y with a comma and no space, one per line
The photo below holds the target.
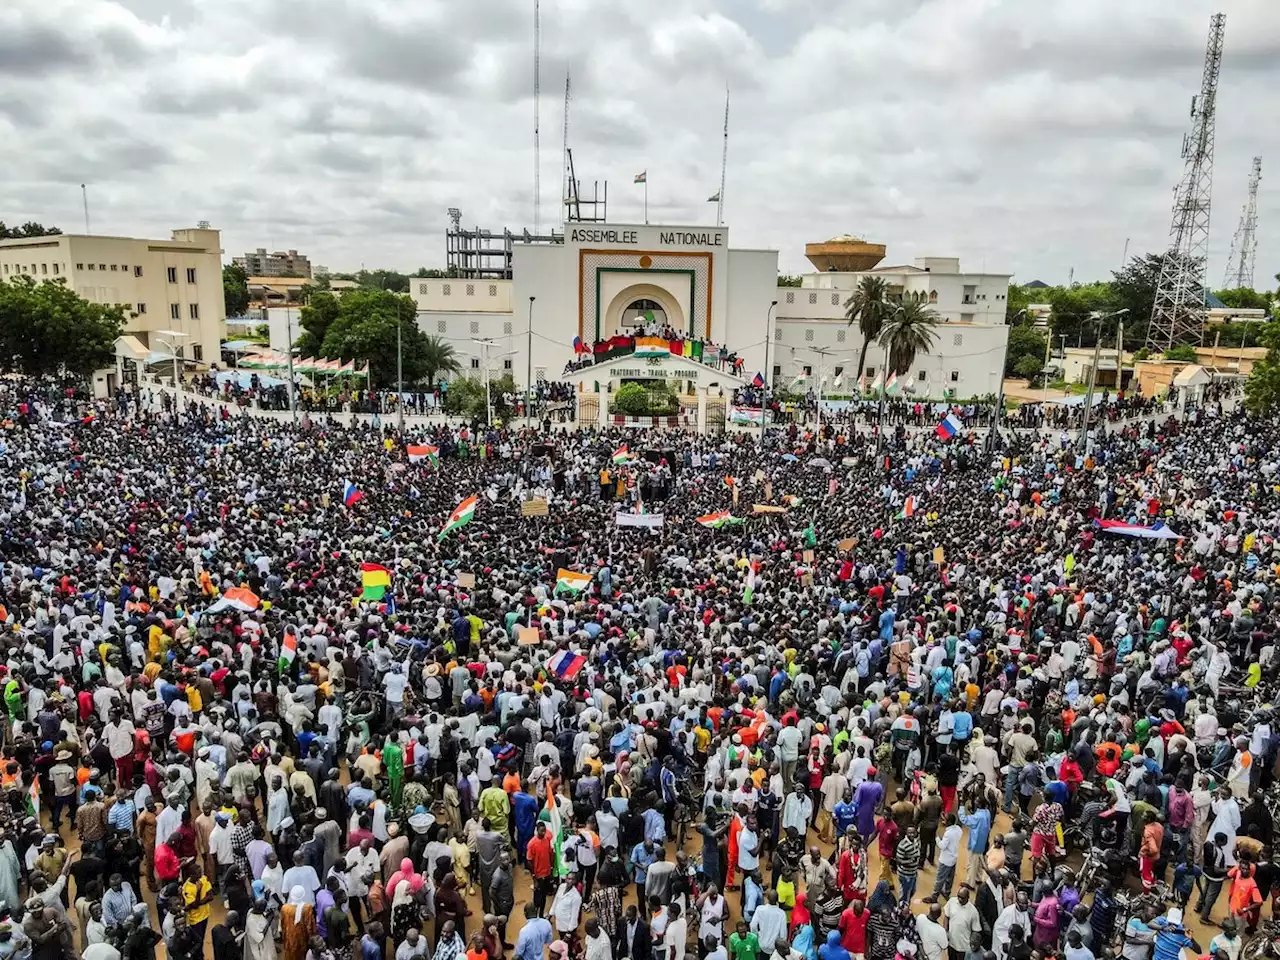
167,865
676,674
539,856
853,928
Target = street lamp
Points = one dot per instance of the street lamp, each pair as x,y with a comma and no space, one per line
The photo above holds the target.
399,369
485,344
768,374
528,366
169,336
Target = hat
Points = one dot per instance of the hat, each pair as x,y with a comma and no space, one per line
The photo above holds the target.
62,755
322,813
432,670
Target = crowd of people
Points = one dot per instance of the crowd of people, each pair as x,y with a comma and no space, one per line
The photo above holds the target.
291,692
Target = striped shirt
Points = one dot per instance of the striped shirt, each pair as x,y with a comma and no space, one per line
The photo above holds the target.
121,815
906,859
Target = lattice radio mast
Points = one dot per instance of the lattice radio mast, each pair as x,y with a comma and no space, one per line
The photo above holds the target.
1244,245
537,96
1178,314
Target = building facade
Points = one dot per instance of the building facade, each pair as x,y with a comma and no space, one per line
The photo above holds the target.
171,289
606,279
282,263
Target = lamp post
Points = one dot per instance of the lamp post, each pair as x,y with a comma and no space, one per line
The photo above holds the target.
169,337
399,369
768,374
528,365
485,344
1093,371
822,353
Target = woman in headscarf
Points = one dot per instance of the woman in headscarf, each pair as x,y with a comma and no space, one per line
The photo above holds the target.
297,924
405,893
800,916
259,940
450,906
405,874
802,935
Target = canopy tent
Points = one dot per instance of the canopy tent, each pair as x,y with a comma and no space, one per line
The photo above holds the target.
1157,531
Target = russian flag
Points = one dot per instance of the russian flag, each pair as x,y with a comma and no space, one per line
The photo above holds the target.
350,495
566,664
758,380
578,346
949,426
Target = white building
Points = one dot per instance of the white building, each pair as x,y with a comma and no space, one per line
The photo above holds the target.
603,277
171,289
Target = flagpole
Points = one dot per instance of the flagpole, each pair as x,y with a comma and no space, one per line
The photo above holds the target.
646,198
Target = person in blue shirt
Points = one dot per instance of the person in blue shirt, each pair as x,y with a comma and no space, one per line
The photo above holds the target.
979,824
846,814
886,624
961,728
643,856
535,936
833,949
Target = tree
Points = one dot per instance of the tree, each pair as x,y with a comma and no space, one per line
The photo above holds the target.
235,289
365,330
1262,389
28,229
1025,352
1135,287
1184,353
46,328
438,357
909,330
788,280
433,273
1015,310
316,317
466,396
1243,298
869,308
391,280
1072,310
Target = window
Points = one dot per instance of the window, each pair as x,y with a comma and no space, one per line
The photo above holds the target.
422,289
958,340
173,274
93,266
871,373
175,311
55,269
102,266
922,376
966,318
933,296
808,370
44,269
475,326
791,297
197,353
835,299
955,376
813,298
493,289
446,289
142,308
191,274
777,371
6,268
506,328
79,266
539,373
840,335
506,364
471,289
113,268
124,268
839,372
808,335
475,363
194,310
442,326
777,333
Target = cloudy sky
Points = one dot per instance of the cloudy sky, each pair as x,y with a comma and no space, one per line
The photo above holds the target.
1029,136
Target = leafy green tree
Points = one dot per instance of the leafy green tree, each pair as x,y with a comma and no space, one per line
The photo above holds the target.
466,396
1243,298
788,280
438,357
1015,311
432,273
1228,334
391,280
1072,309
235,289
1134,287
1025,353
365,330
868,307
316,317
1184,353
1262,389
46,328
909,330
28,229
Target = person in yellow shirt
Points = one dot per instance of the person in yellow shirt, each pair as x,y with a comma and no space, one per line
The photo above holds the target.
606,487
197,894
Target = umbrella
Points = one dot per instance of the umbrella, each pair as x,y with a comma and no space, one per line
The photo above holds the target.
821,463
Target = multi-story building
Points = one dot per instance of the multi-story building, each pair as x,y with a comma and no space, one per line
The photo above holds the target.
282,263
171,289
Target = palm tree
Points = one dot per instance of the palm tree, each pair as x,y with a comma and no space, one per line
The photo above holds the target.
437,358
907,332
869,308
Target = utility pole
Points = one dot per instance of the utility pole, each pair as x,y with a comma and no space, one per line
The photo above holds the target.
84,196
399,369
822,353
768,374
528,366
1120,357
288,324
1093,374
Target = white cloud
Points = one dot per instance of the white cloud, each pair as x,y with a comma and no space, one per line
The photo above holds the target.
1032,136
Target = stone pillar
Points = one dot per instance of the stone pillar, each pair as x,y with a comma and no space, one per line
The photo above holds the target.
602,405
702,409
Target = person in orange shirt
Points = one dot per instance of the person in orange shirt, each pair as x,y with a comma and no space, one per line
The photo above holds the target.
1246,899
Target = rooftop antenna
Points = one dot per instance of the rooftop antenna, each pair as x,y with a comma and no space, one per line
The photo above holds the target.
1178,312
537,94
1244,245
84,196
724,160
566,186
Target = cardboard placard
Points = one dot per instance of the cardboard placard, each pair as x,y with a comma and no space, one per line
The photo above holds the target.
847,544
939,555
735,494
759,475
807,556
766,508
768,489
536,507
466,580
529,637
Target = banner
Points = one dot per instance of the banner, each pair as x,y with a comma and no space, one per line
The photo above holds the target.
534,508
651,520
745,415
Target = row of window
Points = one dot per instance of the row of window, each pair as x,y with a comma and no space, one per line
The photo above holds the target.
506,364
813,298
175,310
442,326
18,269
447,289
922,376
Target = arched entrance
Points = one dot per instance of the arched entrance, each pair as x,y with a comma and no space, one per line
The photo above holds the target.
622,313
